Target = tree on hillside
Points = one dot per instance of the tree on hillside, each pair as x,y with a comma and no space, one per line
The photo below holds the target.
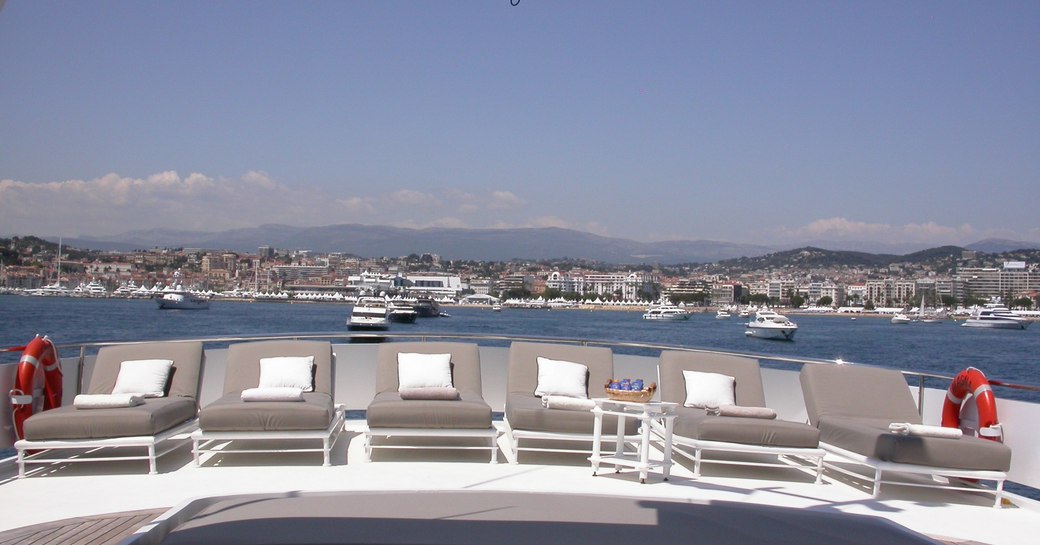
825,301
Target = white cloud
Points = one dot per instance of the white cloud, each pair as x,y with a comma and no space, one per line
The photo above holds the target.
842,229
411,197
501,200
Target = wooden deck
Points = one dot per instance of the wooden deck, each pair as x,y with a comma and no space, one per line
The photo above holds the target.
101,530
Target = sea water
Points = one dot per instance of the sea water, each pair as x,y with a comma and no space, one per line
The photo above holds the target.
944,348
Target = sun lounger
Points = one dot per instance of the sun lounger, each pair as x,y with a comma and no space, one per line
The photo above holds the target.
527,418
408,404
853,406
156,424
316,417
694,428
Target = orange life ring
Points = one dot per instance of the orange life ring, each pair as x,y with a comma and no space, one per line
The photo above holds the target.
972,381
39,354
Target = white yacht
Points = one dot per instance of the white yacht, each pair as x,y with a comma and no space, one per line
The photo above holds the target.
666,312
722,314
402,312
369,314
176,297
770,325
996,317
901,318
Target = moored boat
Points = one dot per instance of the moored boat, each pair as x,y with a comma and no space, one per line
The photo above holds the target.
666,313
996,317
369,314
401,312
770,325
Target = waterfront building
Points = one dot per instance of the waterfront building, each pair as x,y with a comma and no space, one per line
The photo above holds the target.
1013,278
434,284
726,293
890,291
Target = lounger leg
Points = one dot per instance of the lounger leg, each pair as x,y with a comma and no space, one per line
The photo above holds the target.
999,494
21,463
819,470
644,452
195,451
514,447
151,460
326,452
877,482
368,447
494,449
697,463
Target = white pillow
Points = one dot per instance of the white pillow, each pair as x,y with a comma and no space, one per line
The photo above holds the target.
146,378
287,372
423,371
562,378
708,389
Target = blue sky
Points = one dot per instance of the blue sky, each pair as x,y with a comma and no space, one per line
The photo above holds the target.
762,122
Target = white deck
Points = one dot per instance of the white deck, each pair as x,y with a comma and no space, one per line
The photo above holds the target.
97,488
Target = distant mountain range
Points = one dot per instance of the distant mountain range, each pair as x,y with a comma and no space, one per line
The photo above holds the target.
484,244
475,244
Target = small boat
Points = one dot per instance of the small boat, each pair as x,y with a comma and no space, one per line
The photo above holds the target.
178,298
901,318
996,317
497,307
722,314
667,313
427,308
402,312
369,314
770,325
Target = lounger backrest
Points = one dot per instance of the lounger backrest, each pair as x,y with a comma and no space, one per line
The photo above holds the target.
243,363
857,391
185,378
523,364
465,364
747,376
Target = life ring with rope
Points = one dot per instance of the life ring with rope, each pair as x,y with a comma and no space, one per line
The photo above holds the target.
972,381
39,355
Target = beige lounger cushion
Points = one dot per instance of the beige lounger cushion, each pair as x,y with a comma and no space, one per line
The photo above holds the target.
388,410
526,412
156,415
230,413
184,376
694,423
470,411
853,406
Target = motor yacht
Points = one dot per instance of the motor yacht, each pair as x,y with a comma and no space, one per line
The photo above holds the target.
401,312
996,317
770,325
412,497
901,318
427,307
722,314
369,314
666,313
176,297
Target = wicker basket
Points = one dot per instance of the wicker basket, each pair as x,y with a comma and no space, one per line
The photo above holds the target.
635,396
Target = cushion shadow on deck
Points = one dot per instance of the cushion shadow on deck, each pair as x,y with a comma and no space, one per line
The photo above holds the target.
477,517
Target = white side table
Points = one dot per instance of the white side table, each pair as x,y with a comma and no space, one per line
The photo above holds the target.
646,413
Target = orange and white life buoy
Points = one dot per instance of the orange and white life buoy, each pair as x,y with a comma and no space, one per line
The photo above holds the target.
972,381
39,355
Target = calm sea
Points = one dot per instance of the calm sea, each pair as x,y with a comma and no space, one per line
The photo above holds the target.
941,348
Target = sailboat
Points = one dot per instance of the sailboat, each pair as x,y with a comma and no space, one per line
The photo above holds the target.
55,289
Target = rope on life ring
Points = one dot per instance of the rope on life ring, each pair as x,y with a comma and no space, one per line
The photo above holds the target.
39,355
972,381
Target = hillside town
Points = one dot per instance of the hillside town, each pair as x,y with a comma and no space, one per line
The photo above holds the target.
808,278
